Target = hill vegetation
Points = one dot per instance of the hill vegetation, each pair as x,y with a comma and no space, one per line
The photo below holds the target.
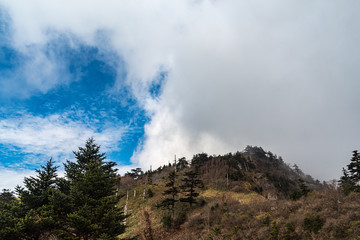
252,194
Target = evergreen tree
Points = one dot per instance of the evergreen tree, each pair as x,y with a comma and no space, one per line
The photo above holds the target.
37,215
149,177
135,173
351,177
354,167
304,189
171,194
182,164
199,159
346,183
7,196
36,191
190,183
11,217
93,202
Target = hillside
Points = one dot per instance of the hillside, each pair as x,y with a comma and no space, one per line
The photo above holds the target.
251,194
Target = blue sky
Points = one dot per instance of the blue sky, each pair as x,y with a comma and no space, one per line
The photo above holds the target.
82,99
151,79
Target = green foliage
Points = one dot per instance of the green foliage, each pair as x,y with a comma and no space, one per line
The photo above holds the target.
189,183
7,196
217,230
38,216
274,234
135,173
346,183
167,220
171,194
354,167
92,180
255,151
290,232
179,219
36,192
149,177
313,224
79,207
150,193
350,181
304,189
233,171
199,159
11,224
266,221
295,195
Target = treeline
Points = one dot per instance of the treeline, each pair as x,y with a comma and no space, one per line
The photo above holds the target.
84,204
81,205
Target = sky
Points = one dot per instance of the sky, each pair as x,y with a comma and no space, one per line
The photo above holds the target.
151,79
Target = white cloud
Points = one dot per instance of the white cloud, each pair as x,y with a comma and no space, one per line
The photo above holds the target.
280,74
9,178
55,136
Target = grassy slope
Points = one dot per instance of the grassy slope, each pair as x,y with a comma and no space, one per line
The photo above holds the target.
244,213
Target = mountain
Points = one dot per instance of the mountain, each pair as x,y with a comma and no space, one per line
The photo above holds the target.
252,194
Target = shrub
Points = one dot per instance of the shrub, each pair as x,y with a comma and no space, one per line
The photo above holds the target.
313,224
150,193
217,230
179,219
167,221
274,231
290,232
295,195
266,220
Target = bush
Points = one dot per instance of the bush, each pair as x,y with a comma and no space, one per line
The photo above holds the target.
290,232
150,193
295,195
167,221
179,219
217,230
266,220
274,231
313,224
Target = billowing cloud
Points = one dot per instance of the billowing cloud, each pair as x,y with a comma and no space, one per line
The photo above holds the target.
280,74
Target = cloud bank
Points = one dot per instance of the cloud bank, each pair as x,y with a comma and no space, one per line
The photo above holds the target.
282,75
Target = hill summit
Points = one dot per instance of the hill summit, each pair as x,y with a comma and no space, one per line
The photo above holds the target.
252,194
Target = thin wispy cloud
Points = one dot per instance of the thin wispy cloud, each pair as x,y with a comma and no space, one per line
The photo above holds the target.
55,135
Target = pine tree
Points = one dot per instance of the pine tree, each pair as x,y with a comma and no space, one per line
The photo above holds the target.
11,217
190,183
354,167
351,177
171,194
92,195
35,197
182,164
36,191
304,189
7,196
